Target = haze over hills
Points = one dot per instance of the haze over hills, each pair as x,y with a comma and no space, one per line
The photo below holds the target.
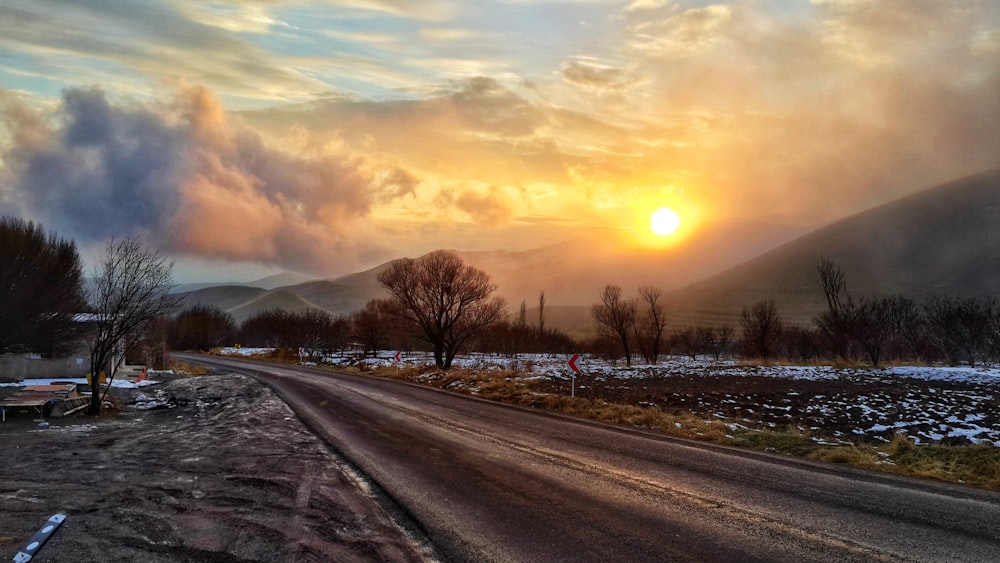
942,240
270,282
571,273
945,239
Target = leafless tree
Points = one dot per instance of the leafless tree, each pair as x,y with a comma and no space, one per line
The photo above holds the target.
273,328
961,326
130,291
41,289
761,329
321,333
372,325
874,327
201,327
685,342
716,340
615,317
651,324
448,300
837,322
541,313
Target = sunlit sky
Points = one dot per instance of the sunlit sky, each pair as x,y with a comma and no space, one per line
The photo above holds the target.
327,136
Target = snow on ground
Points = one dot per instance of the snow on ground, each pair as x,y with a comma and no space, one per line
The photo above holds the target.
930,404
117,383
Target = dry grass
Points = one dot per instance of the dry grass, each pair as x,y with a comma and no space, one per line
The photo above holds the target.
185,368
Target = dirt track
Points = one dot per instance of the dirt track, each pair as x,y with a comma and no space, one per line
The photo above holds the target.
228,474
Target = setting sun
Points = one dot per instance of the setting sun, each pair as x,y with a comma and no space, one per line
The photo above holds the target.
664,221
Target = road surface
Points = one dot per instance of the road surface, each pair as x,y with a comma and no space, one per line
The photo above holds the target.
488,482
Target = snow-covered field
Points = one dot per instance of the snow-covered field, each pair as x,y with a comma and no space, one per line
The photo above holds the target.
930,404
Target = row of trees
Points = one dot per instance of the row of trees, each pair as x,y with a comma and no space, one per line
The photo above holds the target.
941,328
440,303
875,329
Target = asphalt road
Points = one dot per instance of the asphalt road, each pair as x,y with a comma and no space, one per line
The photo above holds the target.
488,482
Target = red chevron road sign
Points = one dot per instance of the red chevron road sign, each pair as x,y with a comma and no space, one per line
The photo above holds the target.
572,363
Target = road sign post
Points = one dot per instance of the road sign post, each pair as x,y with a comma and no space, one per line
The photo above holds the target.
572,376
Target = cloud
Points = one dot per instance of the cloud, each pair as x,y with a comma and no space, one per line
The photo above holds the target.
488,208
186,178
597,76
155,39
811,114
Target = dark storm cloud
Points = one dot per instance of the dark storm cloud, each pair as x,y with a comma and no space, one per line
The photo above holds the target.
189,181
103,171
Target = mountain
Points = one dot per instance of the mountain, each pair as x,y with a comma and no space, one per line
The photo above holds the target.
270,282
281,279
941,240
276,299
341,296
224,297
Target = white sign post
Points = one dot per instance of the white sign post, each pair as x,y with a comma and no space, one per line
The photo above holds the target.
572,377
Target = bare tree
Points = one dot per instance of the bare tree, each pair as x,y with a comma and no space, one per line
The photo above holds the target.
201,327
448,300
761,328
715,341
615,317
321,333
372,325
541,313
273,328
961,326
873,327
651,324
837,323
41,289
130,291
685,342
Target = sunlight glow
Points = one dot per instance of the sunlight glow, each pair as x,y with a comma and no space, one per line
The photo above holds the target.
664,221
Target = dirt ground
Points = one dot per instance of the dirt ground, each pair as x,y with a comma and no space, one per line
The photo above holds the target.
224,472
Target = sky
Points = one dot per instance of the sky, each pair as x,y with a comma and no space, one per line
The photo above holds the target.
327,136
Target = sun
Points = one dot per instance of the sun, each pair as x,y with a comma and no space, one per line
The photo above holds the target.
664,221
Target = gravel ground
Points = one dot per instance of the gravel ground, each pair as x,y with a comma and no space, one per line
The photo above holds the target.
223,472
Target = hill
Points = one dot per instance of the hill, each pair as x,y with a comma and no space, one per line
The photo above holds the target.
941,240
277,299
224,297
270,282
342,296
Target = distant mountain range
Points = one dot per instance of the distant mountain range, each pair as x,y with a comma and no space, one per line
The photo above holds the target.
945,239
270,282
